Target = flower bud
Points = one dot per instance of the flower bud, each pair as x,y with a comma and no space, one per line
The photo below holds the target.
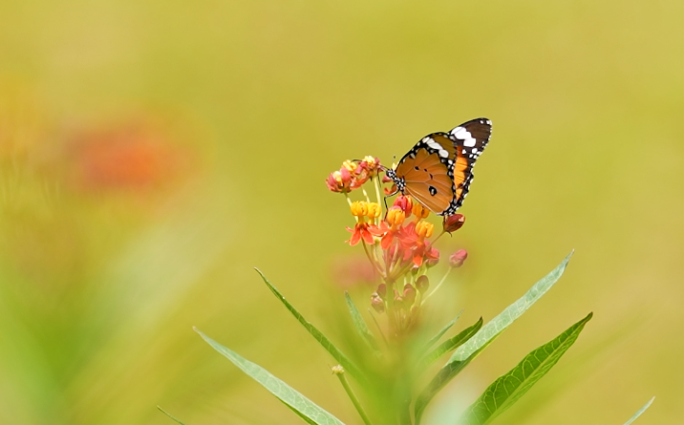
422,283
405,203
382,290
453,222
377,303
457,258
337,370
409,294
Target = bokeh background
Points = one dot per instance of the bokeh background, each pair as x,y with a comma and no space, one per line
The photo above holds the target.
153,152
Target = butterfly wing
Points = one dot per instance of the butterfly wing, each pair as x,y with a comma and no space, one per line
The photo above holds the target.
426,173
438,170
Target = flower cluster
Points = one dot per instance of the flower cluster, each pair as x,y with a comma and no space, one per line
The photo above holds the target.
398,241
353,174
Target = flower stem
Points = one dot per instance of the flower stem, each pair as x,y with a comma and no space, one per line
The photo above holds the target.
376,183
438,285
365,194
382,334
339,371
371,259
349,201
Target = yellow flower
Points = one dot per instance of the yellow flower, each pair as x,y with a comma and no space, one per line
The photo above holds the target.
350,165
420,211
374,210
359,208
395,217
424,229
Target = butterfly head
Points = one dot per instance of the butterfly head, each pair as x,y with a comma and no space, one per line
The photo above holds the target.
398,181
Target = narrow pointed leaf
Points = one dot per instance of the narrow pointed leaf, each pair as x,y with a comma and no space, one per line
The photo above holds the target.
360,324
510,314
296,412
305,408
444,375
451,344
642,410
441,333
488,333
170,416
343,360
508,388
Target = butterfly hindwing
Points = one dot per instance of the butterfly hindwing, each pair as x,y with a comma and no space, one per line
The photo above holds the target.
437,171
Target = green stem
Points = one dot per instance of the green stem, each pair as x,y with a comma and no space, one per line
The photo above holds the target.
438,285
339,371
382,334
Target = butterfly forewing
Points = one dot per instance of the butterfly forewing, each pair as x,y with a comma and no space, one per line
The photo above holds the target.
438,170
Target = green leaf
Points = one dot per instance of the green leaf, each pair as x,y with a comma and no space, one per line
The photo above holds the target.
444,375
343,360
360,324
305,408
642,410
488,333
510,314
451,344
170,415
441,332
508,388
296,412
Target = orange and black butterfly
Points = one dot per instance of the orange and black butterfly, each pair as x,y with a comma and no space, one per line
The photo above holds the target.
438,171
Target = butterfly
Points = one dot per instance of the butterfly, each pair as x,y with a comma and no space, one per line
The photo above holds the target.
438,170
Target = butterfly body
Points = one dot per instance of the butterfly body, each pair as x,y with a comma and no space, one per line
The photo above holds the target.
437,171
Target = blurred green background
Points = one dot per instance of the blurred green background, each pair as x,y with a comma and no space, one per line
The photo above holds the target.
153,152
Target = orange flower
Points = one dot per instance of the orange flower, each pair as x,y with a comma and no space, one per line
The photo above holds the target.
131,155
412,239
359,232
395,218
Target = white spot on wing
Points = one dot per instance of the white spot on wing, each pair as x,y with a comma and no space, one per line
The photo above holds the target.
436,146
463,134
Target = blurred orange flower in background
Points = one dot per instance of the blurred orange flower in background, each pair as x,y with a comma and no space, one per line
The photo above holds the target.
135,155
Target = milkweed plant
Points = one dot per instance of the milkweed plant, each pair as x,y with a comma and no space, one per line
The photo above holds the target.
400,244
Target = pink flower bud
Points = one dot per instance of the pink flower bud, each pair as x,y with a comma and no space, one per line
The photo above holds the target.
409,294
405,204
422,283
377,303
382,290
453,222
457,258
